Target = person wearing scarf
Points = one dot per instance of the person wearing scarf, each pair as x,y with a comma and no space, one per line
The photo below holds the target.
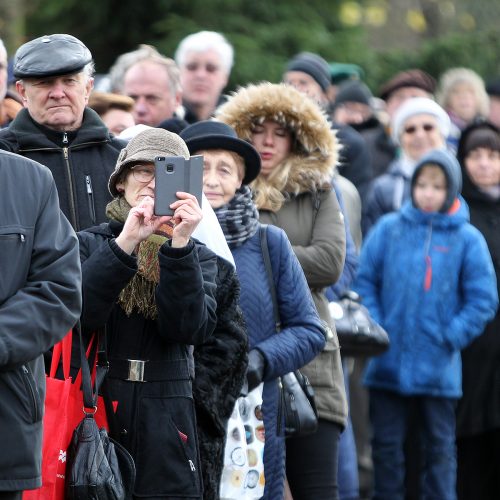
151,288
230,164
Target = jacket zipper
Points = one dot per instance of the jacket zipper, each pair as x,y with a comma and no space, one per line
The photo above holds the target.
90,193
36,408
72,206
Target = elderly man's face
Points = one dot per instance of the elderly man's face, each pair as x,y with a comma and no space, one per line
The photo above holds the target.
56,102
149,86
203,78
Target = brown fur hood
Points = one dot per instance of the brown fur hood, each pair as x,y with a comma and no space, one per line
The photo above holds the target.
315,148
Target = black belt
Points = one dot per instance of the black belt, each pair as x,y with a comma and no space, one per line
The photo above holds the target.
136,370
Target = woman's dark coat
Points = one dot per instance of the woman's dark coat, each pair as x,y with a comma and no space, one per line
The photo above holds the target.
479,408
156,419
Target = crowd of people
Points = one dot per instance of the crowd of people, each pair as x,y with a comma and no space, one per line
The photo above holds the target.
394,196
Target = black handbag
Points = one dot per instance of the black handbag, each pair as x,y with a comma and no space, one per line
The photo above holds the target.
296,402
97,466
359,334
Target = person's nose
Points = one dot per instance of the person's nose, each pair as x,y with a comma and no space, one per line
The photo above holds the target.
210,179
57,90
140,106
152,183
268,138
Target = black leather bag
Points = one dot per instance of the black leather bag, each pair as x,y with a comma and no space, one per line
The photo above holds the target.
358,333
97,467
296,403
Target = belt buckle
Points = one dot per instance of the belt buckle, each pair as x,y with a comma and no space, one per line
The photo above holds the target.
136,370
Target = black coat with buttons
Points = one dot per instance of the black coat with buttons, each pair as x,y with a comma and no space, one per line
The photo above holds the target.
156,419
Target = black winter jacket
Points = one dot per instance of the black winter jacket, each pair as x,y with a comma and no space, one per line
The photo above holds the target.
81,162
40,300
156,418
478,411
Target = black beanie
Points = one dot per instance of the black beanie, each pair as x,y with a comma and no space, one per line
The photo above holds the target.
312,64
354,91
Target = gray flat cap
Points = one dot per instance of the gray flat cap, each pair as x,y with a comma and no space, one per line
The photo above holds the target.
51,55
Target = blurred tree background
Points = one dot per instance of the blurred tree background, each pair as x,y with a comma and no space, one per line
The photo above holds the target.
382,36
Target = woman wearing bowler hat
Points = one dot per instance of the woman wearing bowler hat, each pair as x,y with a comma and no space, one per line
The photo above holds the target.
230,164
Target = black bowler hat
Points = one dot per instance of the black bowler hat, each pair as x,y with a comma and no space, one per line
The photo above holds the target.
210,134
51,55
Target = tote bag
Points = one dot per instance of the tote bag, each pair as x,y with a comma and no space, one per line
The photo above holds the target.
63,412
243,472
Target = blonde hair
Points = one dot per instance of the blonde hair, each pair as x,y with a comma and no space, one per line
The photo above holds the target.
456,76
314,152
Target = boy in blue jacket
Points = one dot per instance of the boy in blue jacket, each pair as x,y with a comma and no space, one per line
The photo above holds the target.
426,276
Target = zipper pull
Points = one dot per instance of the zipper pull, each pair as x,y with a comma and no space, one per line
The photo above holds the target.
65,138
191,465
22,238
88,183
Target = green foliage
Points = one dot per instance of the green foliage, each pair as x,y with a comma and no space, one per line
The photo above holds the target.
265,35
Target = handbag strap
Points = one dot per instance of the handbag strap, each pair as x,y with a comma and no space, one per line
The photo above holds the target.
89,394
269,272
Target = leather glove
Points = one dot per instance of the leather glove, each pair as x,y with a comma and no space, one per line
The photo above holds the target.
255,370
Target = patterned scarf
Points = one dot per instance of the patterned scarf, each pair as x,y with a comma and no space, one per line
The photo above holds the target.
239,219
139,294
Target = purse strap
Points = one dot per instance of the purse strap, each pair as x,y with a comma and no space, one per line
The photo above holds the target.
269,272
90,394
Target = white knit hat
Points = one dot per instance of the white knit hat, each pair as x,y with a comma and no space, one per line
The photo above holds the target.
420,106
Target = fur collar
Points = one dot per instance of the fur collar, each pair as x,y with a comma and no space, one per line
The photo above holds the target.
315,151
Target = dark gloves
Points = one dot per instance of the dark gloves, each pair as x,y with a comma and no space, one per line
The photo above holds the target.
255,370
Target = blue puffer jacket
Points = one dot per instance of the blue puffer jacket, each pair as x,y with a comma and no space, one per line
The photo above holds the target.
428,279
300,340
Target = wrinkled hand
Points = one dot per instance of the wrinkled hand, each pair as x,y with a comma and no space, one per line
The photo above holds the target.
187,216
140,224
255,370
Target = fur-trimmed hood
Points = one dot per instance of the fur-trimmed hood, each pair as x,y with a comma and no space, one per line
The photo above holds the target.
315,148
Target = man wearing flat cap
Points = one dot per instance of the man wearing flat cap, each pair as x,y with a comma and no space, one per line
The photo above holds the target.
57,129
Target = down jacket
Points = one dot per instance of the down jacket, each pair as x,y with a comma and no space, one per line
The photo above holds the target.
309,213
81,162
156,418
428,321
40,300
300,339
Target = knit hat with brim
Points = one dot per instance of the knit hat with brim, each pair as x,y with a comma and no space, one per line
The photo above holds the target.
145,147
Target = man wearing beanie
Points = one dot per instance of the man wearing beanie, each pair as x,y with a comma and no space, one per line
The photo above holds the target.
431,314
310,74
57,129
354,106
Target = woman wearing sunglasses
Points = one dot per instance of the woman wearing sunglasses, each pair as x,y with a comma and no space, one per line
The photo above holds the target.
418,126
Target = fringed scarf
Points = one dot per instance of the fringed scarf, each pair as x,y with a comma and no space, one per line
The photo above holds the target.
139,294
239,219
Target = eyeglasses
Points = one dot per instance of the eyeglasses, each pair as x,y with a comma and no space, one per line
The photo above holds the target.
426,127
142,173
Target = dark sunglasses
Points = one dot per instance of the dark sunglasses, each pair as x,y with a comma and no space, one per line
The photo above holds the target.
427,127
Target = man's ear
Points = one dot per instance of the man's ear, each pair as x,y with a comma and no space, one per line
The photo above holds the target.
88,89
21,90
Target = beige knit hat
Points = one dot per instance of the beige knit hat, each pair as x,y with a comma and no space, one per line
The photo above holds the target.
145,147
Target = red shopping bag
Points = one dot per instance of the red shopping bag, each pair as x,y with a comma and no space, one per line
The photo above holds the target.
63,412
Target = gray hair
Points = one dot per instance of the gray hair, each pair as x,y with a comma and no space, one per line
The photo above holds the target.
144,53
203,41
455,76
